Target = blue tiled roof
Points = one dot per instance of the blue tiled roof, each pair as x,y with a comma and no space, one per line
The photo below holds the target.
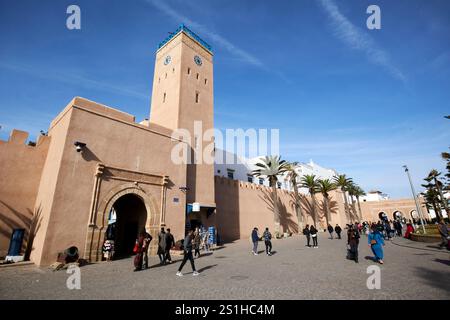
182,27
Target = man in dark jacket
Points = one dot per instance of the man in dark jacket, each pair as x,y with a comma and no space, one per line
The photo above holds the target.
330,230
398,227
162,246
307,235
338,231
170,242
268,241
255,239
187,244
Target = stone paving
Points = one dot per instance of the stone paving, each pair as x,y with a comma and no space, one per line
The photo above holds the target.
411,271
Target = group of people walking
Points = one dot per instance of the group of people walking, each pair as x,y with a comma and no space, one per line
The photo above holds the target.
336,229
375,239
193,241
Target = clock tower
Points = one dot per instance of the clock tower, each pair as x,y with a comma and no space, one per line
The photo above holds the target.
183,94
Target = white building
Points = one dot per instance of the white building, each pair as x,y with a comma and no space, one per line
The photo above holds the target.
240,168
373,195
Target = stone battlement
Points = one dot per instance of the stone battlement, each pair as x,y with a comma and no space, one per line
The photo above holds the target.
19,137
246,185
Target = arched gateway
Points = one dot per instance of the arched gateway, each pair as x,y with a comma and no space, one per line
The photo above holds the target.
135,209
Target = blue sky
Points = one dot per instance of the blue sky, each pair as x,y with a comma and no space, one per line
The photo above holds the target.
363,102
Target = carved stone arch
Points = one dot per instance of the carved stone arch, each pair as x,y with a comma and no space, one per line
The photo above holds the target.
96,231
117,192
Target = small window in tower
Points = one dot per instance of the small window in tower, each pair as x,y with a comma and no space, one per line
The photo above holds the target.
189,70
164,97
197,97
206,82
197,76
173,70
159,80
250,178
166,75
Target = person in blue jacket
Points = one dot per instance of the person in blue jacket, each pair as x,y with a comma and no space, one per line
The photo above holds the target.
376,243
255,239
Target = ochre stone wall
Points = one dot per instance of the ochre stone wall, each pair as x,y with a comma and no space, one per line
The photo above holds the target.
72,203
241,206
20,173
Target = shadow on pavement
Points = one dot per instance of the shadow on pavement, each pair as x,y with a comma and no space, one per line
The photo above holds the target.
417,248
434,247
446,262
205,254
207,267
436,279
163,265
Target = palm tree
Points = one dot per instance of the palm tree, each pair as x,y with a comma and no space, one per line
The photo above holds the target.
325,187
359,192
351,189
431,197
433,176
271,167
446,158
292,176
343,182
434,191
309,181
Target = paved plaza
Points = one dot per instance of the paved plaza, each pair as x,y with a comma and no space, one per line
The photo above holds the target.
411,271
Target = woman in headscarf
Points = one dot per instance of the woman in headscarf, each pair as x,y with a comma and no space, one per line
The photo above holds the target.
376,243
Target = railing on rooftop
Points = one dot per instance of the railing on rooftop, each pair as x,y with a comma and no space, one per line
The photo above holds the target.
182,27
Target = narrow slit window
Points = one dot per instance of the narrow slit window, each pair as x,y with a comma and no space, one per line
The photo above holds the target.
173,70
197,76
159,80
206,81
189,70
197,97
164,97
166,75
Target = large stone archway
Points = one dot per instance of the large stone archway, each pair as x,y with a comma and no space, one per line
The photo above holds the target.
96,232
110,185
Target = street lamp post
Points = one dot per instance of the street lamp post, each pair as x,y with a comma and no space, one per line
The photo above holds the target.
415,199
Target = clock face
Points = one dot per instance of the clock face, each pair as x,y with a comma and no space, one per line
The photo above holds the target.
167,60
198,60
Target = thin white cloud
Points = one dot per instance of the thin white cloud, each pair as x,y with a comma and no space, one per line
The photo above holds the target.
74,79
359,40
216,38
